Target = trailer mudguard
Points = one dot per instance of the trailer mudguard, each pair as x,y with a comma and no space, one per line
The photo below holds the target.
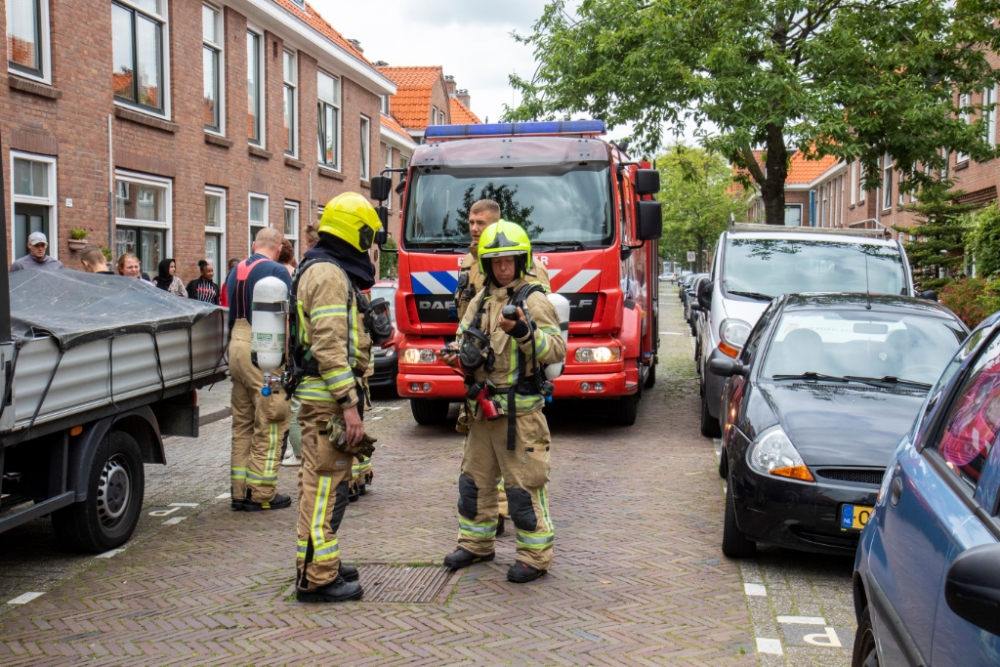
140,423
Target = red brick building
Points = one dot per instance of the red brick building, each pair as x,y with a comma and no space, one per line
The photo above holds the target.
179,128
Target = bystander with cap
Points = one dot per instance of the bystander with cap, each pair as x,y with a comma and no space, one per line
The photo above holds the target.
37,257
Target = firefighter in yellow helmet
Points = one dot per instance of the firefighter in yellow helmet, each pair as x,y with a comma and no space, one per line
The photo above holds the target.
482,214
509,332
332,328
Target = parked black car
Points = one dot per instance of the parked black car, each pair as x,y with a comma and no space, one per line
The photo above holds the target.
823,390
385,357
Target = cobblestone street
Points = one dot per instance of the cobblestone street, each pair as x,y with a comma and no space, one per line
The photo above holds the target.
638,579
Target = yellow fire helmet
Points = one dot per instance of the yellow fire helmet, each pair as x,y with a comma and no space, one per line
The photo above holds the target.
351,217
503,239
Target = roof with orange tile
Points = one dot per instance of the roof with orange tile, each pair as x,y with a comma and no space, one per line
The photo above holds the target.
392,125
802,170
411,105
461,114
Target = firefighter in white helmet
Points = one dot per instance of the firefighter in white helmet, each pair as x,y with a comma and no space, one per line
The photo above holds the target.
332,329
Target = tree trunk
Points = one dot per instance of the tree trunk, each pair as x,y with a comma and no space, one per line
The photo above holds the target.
772,190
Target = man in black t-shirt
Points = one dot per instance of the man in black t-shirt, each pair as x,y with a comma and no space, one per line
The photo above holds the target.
203,288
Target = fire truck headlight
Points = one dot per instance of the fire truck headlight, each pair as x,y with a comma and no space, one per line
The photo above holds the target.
597,355
414,355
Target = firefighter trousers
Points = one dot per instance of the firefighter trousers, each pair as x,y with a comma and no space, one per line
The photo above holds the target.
324,485
525,472
260,423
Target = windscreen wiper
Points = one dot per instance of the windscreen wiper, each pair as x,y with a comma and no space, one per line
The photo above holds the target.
752,295
557,246
888,379
450,249
810,375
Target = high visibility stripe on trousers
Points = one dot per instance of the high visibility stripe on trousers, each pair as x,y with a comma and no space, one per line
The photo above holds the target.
322,551
477,531
270,477
538,540
237,474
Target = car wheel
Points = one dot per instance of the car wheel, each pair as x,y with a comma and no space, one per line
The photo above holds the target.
865,649
723,464
709,424
115,485
734,543
429,412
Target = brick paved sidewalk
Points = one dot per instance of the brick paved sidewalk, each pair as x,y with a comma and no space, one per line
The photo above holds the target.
638,577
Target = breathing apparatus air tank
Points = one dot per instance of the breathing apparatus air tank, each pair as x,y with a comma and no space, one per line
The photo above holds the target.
561,304
267,338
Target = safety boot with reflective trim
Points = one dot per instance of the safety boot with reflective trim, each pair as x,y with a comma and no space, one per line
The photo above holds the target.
521,573
460,558
338,590
280,501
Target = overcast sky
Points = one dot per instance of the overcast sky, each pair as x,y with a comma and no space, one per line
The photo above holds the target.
471,39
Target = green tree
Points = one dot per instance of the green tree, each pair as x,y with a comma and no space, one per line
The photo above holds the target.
940,235
697,197
388,261
852,78
983,242
505,197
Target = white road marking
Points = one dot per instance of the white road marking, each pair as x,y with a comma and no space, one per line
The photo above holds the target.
227,494
802,620
755,590
173,522
109,554
374,419
772,646
25,598
671,333
183,505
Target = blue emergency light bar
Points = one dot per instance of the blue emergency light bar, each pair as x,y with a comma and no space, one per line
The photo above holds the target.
574,127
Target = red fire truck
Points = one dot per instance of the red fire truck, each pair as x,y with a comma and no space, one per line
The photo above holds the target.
593,222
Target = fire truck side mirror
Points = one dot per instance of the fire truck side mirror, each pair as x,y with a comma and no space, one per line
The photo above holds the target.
650,220
383,215
647,181
380,188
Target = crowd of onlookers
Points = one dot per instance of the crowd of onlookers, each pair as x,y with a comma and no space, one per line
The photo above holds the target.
203,288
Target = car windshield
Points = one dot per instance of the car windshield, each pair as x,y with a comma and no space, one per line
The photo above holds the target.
889,347
389,294
771,267
561,204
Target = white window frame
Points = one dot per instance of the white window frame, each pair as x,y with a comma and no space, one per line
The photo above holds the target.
854,183
219,48
52,200
822,207
886,183
45,75
294,86
366,147
220,230
388,165
434,115
167,225
261,141
292,238
165,56
791,206
339,106
990,97
946,169
964,100
385,105
250,223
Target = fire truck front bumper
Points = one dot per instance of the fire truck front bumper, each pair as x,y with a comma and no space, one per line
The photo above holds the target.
421,375
592,385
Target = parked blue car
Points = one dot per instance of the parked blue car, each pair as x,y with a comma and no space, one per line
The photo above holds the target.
927,570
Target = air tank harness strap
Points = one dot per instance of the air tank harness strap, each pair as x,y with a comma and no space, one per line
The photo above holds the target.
242,275
520,299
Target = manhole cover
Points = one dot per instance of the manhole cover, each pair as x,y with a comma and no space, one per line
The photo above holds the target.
404,583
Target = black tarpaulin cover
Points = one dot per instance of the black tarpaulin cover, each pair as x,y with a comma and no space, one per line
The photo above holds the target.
76,307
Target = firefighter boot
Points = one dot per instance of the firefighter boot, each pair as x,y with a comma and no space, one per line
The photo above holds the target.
522,573
460,558
339,590
279,502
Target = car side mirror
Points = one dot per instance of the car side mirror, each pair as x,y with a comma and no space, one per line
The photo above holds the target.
727,367
705,295
647,181
930,295
972,587
650,220
381,186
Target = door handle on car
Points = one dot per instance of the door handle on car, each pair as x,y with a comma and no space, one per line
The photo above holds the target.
896,491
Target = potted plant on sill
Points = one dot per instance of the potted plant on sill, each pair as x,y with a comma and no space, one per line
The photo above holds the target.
77,239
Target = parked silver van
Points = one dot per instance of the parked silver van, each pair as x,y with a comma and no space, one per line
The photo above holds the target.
755,263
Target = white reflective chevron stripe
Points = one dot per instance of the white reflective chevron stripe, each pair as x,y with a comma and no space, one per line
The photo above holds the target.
579,281
430,283
553,273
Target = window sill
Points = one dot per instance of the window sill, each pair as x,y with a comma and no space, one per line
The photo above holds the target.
964,164
216,140
33,87
330,173
365,183
257,151
292,162
885,212
851,207
147,120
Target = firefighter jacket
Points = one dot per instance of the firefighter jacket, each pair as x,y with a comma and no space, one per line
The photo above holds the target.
474,284
548,347
334,330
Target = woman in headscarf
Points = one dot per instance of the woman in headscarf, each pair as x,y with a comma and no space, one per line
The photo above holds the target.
166,280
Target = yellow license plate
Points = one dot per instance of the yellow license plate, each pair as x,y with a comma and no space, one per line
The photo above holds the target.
854,517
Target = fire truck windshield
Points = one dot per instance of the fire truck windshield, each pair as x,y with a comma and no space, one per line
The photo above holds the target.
563,205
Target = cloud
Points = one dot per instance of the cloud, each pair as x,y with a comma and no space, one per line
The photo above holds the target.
520,14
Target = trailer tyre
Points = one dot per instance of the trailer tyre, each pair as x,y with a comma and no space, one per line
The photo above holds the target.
115,486
429,412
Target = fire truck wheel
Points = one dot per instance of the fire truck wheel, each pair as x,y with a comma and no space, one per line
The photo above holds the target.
106,519
651,376
624,411
429,412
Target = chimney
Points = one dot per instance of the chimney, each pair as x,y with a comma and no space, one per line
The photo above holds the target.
464,98
356,44
449,84
380,63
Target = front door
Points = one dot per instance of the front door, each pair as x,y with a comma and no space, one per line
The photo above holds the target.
29,218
